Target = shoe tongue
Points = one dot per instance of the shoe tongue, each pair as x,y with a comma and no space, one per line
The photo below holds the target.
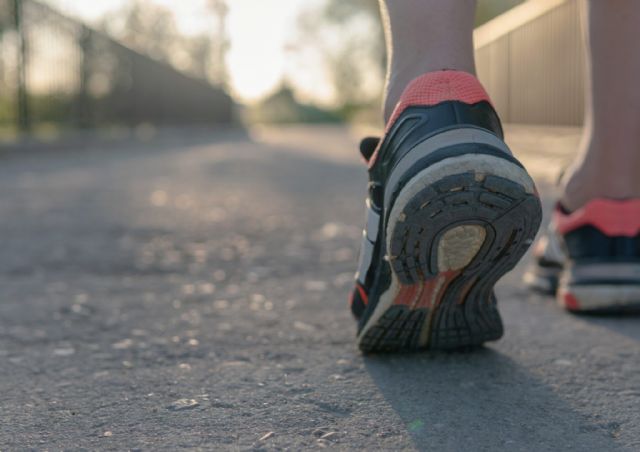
368,146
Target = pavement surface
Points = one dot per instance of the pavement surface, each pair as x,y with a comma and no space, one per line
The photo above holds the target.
191,293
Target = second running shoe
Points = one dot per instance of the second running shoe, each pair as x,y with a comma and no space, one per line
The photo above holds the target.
449,212
590,258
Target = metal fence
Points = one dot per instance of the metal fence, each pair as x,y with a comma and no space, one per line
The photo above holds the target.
531,60
57,72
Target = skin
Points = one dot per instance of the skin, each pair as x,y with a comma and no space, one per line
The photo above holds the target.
424,36
609,162
430,35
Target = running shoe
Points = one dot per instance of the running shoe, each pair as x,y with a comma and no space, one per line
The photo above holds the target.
449,211
543,274
594,254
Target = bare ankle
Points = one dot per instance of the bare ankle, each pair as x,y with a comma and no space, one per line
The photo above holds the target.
600,175
398,80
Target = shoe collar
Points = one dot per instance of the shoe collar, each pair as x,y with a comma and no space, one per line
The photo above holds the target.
613,217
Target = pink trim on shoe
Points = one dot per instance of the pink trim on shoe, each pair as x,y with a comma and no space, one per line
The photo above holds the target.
570,302
615,218
440,86
433,88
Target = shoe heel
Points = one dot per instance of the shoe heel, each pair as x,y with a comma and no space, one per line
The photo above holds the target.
456,231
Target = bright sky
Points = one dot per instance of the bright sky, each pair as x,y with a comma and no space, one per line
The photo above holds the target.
260,32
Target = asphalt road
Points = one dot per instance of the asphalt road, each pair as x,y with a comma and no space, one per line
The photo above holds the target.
191,293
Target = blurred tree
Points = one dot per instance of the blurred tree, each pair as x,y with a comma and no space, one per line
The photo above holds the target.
5,16
220,41
199,51
281,107
349,38
488,9
145,26
151,29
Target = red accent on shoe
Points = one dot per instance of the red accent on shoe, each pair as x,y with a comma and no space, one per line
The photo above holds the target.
363,294
571,302
615,218
407,295
425,294
433,88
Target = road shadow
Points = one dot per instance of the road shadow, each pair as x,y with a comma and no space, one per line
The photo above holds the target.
480,400
627,324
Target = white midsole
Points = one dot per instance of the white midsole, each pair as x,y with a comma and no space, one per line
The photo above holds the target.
601,296
464,135
607,270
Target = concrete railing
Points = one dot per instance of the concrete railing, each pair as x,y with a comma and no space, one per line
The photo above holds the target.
531,60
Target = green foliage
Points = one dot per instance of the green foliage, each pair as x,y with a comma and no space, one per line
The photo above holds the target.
152,30
53,107
488,9
348,37
340,11
361,50
146,27
7,111
282,108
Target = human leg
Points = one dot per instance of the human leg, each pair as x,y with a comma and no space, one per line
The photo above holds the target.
424,36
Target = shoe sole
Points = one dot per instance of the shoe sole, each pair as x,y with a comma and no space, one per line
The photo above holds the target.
454,230
600,299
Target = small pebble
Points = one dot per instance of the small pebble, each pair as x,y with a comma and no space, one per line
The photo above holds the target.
563,362
123,344
64,351
266,436
315,286
301,326
319,432
183,404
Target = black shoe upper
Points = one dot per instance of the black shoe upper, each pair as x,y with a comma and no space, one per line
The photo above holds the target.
412,127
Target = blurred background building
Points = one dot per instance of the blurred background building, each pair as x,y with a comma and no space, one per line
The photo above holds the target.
531,60
58,73
67,64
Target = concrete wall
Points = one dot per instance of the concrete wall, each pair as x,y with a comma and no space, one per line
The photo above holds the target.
531,60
